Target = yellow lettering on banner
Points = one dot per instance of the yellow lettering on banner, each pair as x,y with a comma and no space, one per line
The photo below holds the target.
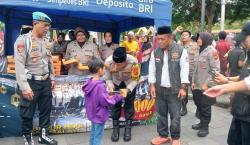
151,104
147,114
137,105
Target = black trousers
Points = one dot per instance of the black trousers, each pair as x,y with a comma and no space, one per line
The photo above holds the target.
167,102
185,100
239,133
203,104
128,106
42,99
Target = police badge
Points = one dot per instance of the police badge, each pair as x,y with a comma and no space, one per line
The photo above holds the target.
135,72
20,47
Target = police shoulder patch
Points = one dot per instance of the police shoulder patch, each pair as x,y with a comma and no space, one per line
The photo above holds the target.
215,55
20,46
135,72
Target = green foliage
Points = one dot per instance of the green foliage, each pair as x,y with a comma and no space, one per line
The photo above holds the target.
231,25
187,13
238,10
1,26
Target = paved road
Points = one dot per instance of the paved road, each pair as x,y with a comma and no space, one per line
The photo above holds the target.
142,135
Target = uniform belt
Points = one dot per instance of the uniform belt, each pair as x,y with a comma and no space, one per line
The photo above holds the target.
37,77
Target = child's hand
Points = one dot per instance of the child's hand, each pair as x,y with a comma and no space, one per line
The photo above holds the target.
110,89
111,93
110,97
124,92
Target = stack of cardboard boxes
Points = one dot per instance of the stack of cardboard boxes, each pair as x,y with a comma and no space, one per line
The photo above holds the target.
11,64
57,64
56,60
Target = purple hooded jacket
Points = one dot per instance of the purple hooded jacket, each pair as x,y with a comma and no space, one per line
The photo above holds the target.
97,102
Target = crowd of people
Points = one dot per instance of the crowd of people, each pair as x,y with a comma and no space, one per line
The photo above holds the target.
238,83
138,46
177,61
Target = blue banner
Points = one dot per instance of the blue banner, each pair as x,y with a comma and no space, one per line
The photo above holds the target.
154,9
94,15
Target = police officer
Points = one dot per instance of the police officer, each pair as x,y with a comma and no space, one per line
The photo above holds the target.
168,78
240,127
191,48
35,78
108,48
207,64
60,45
118,76
82,50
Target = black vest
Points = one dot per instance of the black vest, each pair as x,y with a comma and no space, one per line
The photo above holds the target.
174,55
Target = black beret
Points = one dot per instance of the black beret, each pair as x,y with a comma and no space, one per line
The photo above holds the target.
120,55
164,30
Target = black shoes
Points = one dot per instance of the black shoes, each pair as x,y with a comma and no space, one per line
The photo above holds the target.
116,131
183,108
196,126
203,130
203,133
44,138
28,139
127,132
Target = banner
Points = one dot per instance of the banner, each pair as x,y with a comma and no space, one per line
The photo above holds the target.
137,8
68,113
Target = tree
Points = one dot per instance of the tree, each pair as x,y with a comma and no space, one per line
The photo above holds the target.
190,11
1,26
211,11
238,10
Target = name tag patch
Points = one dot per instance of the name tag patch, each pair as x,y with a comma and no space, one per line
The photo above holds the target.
157,59
175,55
203,65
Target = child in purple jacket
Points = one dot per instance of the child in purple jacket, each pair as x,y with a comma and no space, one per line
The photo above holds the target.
97,101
